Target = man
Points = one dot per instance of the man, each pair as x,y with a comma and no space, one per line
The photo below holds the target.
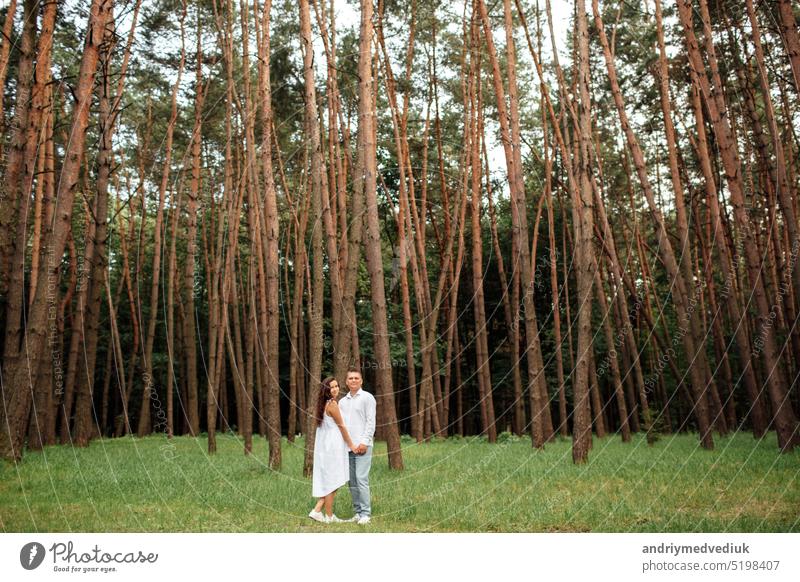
358,412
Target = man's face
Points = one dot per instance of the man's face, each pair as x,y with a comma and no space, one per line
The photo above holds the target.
354,381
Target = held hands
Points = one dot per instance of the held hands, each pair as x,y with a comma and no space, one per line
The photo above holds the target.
357,450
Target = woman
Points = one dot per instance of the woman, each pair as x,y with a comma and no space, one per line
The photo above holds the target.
331,463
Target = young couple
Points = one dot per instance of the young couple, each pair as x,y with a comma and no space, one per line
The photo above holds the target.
343,447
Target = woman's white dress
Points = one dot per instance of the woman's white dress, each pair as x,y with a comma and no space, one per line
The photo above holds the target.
331,463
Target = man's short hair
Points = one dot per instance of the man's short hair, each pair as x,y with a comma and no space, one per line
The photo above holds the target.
353,370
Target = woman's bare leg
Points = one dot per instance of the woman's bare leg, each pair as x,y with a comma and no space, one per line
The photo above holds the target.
329,503
320,503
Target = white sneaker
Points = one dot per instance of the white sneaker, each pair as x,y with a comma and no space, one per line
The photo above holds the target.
317,516
334,519
363,520
353,519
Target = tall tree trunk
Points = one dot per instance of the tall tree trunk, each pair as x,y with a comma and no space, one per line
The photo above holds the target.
15,202
190,338
582,212
788,28
84,404
483,372
373,253
270,242
5,51
41,102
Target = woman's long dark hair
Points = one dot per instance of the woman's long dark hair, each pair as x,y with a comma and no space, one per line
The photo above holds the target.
324,396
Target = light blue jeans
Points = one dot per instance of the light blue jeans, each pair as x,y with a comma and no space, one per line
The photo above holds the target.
359,482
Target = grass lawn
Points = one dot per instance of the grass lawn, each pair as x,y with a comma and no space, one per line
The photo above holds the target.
461,485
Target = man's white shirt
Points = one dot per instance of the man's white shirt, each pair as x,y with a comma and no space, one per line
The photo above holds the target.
358,412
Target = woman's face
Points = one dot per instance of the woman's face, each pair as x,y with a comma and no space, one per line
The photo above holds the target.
334,389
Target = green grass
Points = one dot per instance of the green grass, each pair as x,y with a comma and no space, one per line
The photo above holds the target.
131,484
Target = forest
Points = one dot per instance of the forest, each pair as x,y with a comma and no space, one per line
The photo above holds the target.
531,218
